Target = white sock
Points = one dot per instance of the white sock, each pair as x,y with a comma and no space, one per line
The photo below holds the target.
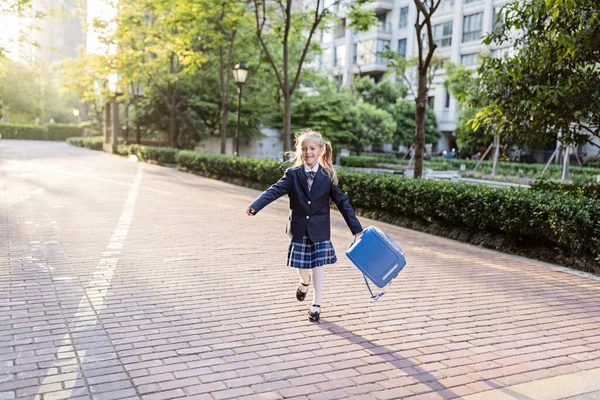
304,278
318,275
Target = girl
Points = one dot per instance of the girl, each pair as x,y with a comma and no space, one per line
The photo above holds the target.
310,182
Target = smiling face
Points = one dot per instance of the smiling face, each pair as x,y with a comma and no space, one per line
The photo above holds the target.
311,151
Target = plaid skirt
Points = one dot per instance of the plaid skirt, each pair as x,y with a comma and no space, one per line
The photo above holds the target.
308,255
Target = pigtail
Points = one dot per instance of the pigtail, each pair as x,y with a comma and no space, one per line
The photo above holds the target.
327,161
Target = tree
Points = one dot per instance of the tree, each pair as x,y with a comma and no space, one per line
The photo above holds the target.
549,87
87,79
403,113
285,23
370,125
387,95
425,10
461,83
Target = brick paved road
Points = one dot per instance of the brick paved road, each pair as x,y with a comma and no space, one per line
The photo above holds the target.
127,280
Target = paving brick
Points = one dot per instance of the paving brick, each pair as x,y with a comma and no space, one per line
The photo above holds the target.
194,308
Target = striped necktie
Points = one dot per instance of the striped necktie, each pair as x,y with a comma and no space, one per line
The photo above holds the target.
310,177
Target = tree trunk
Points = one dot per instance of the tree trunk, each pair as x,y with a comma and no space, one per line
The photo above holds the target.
223,127
171,131
565,167
127,122
287,122
496,155
421,102
138,132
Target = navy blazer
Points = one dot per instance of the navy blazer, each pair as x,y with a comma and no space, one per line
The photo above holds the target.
309,210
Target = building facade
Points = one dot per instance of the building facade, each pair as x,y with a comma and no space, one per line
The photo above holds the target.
458,29
58,35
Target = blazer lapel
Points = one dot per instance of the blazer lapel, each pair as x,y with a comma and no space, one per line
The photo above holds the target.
303,180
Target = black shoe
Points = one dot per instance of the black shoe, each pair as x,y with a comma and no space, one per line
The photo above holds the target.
300,295
314,316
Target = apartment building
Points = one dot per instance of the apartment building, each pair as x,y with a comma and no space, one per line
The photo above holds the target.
458,29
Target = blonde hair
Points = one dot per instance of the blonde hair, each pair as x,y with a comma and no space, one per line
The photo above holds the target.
325,159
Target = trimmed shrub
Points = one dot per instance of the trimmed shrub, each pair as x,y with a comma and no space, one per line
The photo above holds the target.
528,217
62,131
92,143
592,161
152,154
589,190
23,132
57,132
263,171
521,170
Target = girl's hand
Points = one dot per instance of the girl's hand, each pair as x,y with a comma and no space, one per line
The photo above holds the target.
359,234
250,212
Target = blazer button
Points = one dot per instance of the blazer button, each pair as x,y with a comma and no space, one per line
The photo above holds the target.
307,217
309,202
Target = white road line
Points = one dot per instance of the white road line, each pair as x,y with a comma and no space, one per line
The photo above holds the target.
96,289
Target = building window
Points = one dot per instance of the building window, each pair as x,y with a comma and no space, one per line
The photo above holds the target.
364,52
381,45
469,1
497,21
447,100
403,17
339,56
504,52
340,30
446,5
402,48
442,34
468,59
430,101
472,25
354,53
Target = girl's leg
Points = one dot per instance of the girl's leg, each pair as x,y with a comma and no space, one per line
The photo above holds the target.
304,278
318,275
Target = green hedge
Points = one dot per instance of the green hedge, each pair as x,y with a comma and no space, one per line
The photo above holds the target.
58,132
62,131
589,190
154,154
264,171
24,132
92,143
528,217
520,170
592,162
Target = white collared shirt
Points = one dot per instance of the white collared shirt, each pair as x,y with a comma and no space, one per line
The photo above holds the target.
314,169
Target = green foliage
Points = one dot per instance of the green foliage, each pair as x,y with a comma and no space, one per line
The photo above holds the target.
33,132
62,131
507,169
264,171
592,161
549,85
24,132
152,154
580,190
546,219
92,143
404,115
383,95
370,126
326,112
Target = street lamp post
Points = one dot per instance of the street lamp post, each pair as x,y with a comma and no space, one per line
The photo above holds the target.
240,73
76,114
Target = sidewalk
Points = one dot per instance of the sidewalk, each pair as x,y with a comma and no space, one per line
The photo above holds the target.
126,280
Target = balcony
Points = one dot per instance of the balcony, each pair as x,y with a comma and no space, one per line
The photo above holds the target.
384,27
380,5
